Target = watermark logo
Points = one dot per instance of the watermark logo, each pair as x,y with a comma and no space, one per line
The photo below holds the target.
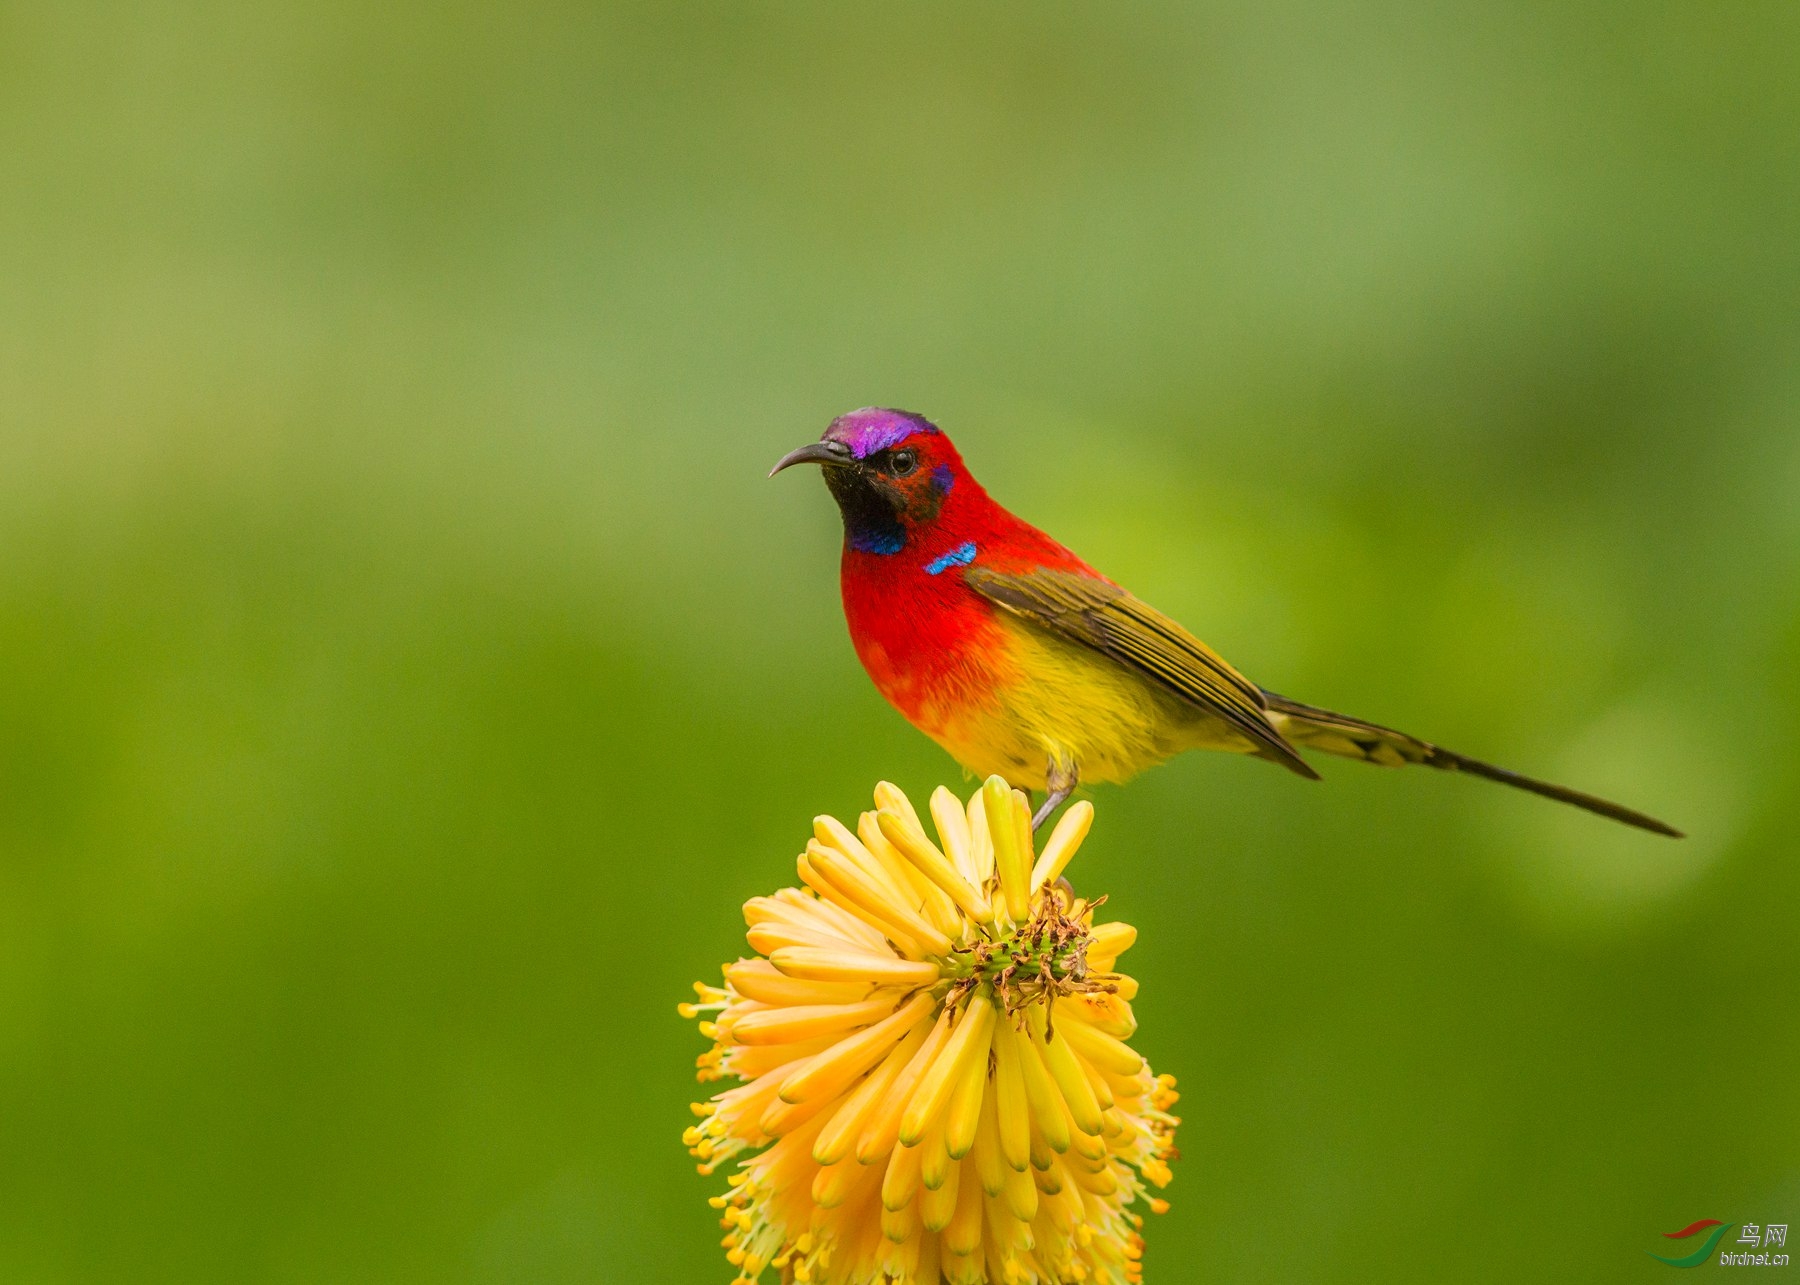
1758,1239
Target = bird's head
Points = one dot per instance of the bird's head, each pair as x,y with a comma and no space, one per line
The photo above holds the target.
890,471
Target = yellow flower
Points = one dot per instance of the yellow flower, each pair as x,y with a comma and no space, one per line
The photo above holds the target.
935,1080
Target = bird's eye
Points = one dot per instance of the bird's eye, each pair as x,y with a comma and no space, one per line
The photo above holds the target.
903,463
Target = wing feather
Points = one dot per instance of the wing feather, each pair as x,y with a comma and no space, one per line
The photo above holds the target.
1104,617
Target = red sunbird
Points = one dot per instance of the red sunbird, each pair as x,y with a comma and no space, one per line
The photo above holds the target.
1023,661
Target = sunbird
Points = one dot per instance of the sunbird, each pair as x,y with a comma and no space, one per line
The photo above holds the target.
1023,661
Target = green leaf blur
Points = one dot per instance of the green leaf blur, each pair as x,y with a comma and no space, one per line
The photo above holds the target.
406,670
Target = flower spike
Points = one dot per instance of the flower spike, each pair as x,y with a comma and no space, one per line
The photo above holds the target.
935,1085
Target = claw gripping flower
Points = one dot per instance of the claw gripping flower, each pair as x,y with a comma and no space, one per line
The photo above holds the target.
935,1081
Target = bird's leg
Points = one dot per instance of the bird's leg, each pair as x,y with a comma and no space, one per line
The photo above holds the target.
1060,779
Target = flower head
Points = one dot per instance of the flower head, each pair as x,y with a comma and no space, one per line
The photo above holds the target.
931,1043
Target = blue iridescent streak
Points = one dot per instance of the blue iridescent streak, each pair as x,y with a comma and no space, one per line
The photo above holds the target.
885,541
961,556
944,478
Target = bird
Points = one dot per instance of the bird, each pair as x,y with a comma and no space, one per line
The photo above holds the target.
1022,661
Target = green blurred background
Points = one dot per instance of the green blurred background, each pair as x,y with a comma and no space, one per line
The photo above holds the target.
405,668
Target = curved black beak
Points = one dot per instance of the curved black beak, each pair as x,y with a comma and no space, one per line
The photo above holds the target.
815,453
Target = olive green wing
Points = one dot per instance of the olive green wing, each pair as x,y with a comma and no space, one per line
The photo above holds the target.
1100,615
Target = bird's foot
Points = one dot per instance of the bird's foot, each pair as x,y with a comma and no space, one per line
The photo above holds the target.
1060,780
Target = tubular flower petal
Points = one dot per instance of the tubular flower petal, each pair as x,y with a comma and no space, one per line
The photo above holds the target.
934,1080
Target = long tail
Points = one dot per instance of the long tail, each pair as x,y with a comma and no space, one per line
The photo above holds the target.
1320,729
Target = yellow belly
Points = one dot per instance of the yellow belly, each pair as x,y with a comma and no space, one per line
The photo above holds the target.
1071,705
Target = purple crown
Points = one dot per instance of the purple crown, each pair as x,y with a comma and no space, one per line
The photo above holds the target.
875,428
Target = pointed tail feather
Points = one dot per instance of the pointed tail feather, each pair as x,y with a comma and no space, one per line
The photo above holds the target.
1321,729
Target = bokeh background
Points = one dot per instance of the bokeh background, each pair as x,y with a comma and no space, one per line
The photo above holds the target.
405,668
